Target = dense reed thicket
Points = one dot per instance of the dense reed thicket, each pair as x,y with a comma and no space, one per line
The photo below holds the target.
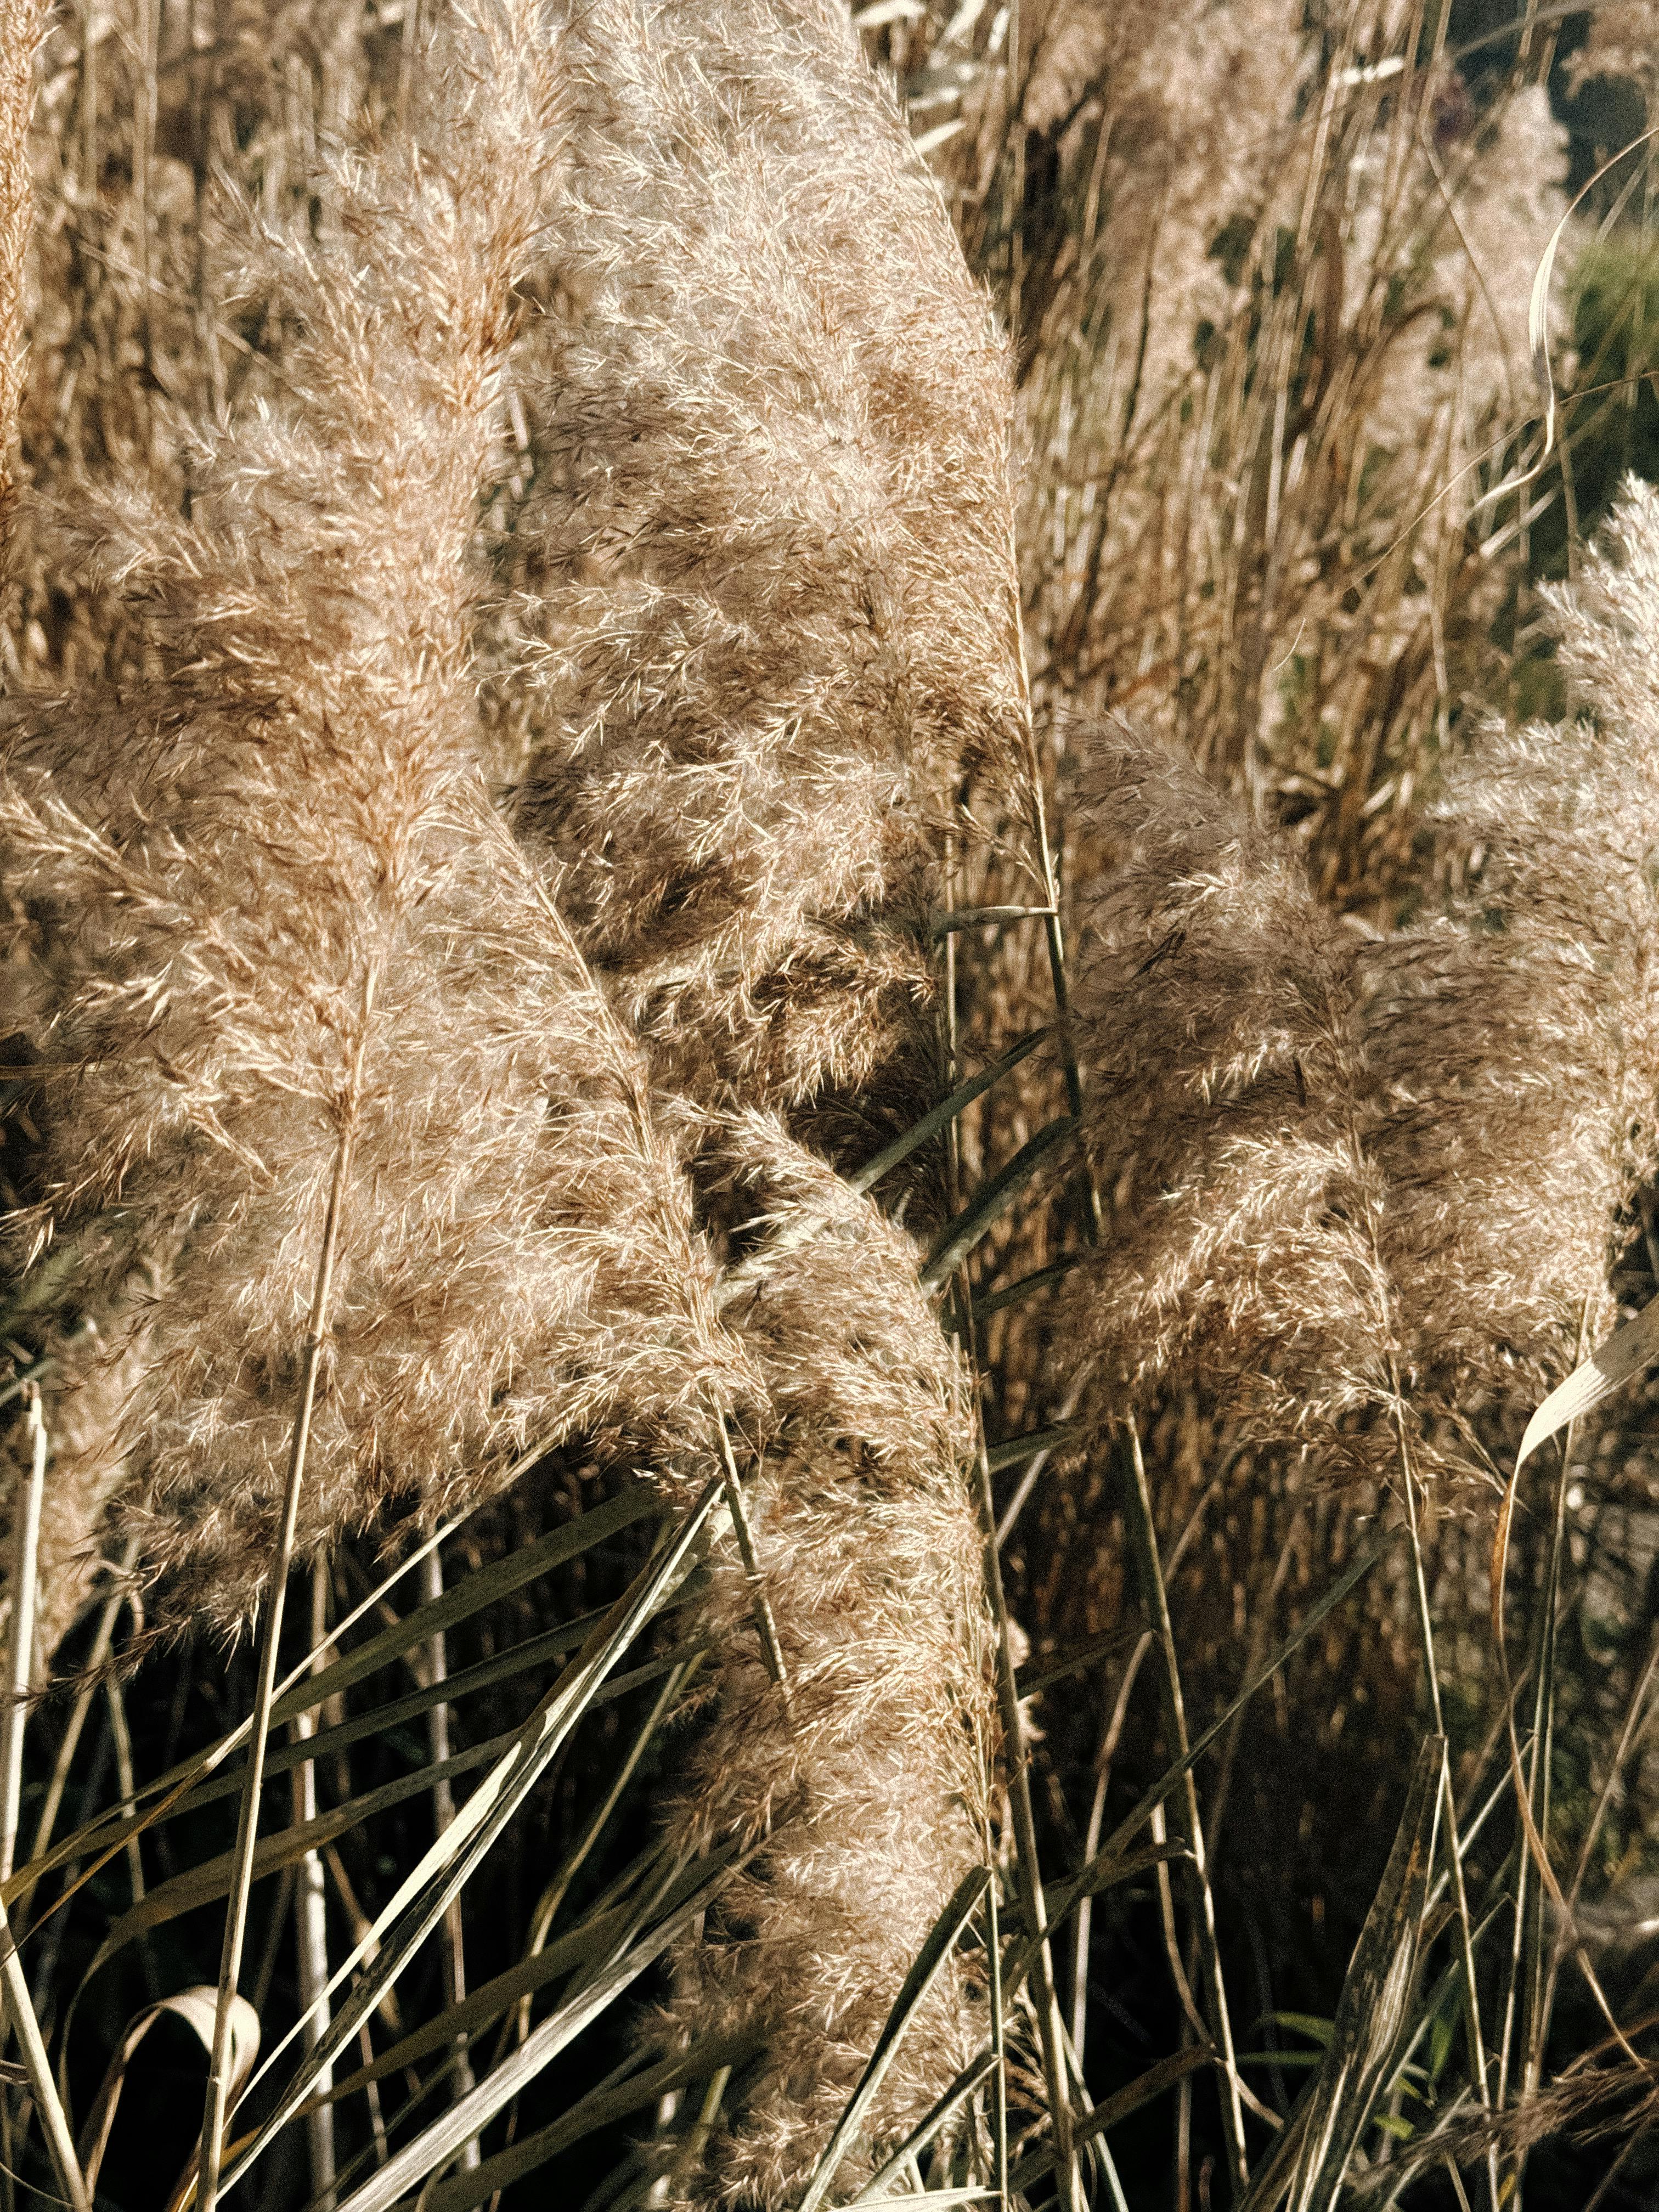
828,853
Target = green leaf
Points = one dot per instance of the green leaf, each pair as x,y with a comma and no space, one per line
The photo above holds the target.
991,1201
986,1302
939,1117
1371,2013
1012,1452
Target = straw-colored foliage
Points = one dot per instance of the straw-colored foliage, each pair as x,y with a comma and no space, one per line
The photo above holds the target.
275,951
549,544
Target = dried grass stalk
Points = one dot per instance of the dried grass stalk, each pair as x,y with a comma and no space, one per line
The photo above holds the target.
20,31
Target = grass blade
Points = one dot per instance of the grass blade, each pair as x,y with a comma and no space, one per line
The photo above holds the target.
196,2009
14,1719
598,2109
1013,1451
1042,1278
1595,1380
438,2141
917,2141
200,1884
420,1899
940,1116
1372,2012
991,1201
1066,1897
216,2102
1143,1542
594,1936
186,1786
947,922
483,1587
1118,2106
20,2013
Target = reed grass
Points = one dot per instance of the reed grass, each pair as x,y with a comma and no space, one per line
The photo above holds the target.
828,839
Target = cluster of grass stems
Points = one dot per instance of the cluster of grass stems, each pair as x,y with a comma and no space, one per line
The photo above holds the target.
1307,1799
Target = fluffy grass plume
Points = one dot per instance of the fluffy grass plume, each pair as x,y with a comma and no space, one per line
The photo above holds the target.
871,1775
269,904
767,600
1339,1162
766,617
267,898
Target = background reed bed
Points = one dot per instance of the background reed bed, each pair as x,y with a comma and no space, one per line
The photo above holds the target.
947,940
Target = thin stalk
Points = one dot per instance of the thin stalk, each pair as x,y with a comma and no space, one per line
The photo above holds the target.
696,2140
1015,68
65,1758
1636,1716
1143,1529
126,1781
20,2018
1478,2061
145,109
241,1880
1051,2031
1103,1757
88,111
409,59
1255,1652
1525,1941
1156,1601
372,2097
1538,1988
765,1627
554,1896
999,2037
25,1569
453,1950
311,1927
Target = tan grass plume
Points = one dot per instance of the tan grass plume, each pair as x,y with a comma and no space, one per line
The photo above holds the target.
267,893
764,562
1336,1158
